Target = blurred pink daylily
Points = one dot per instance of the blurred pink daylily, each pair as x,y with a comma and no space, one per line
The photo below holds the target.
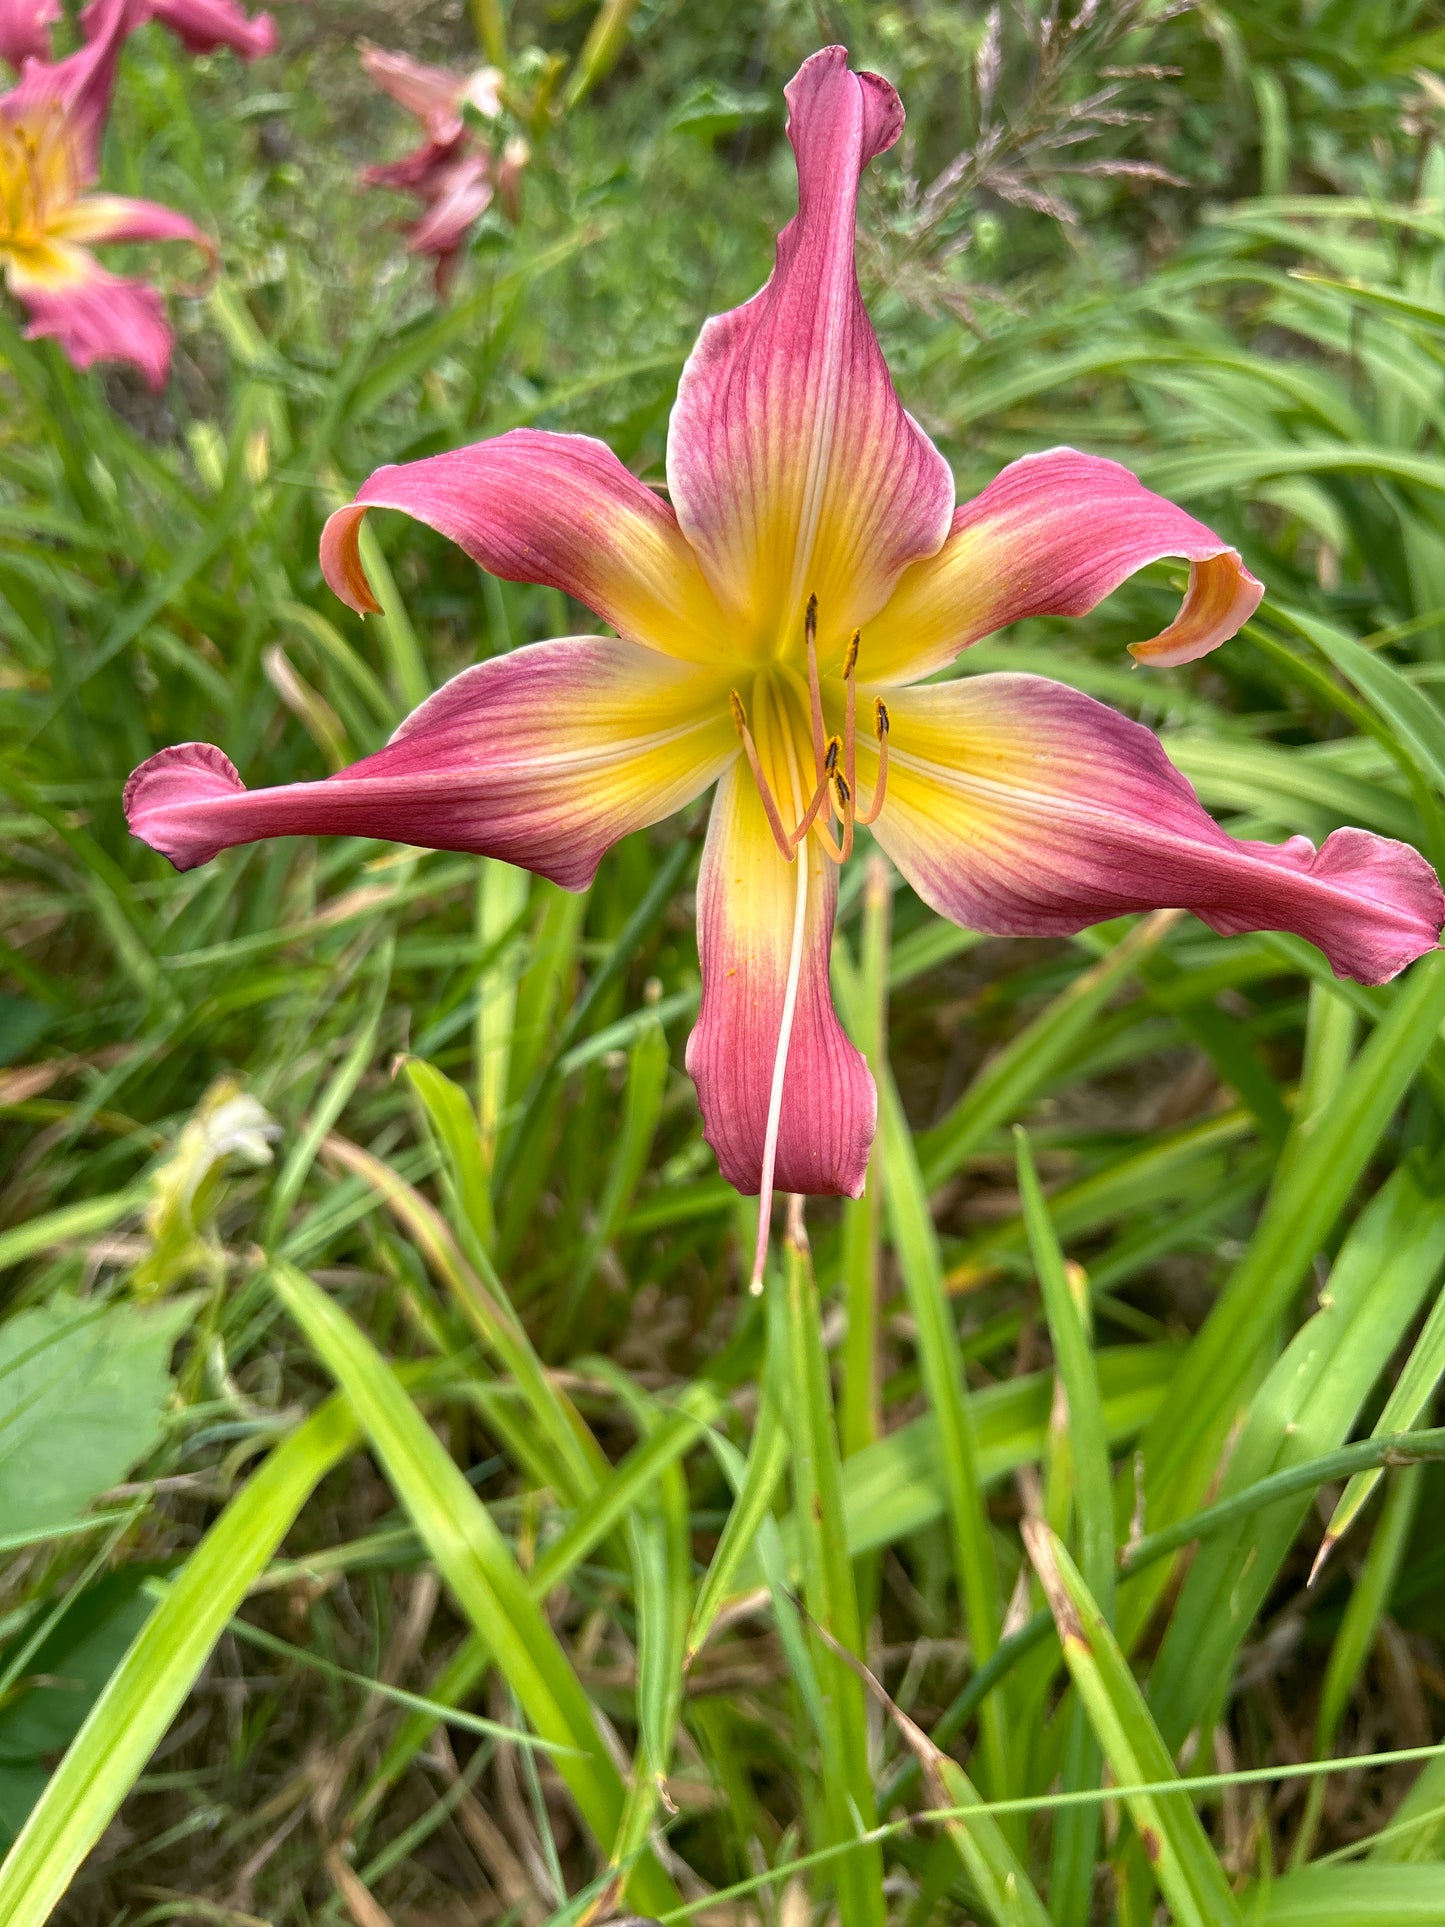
453,173
202,25
25,29
50,131
811,569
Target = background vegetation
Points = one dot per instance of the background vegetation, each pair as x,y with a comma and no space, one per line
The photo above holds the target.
326,1481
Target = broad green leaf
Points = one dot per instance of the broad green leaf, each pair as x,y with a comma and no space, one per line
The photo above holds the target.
1362,1895
63,1676
83,1394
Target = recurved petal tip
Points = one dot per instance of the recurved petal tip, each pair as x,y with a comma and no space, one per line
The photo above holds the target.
341,560
1221,597
160,798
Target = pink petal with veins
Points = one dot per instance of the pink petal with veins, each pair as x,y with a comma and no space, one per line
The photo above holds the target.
792,464
746,905
1019,807
559,510
1053,534
544,757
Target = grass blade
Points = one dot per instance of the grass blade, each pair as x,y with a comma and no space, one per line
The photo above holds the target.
150,1685
828,1587
476,1563
1175,1843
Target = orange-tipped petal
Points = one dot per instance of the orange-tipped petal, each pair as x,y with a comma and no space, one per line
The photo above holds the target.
1053,534
559,510
1019,807
792,464
544,757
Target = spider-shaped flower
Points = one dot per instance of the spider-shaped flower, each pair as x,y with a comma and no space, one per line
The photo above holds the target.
775,623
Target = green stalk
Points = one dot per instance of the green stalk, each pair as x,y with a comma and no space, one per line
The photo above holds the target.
828,1584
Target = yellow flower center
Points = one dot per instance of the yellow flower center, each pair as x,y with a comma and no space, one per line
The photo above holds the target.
791,737
38,178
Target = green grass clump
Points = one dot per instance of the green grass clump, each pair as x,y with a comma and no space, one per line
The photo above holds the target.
406,1513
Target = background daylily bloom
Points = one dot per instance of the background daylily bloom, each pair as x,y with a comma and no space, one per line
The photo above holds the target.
25,29
773,623
204,25
50,131
453,173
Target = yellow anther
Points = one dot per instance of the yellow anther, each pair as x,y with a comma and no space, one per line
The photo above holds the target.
831,755
740,715
850,661
880,718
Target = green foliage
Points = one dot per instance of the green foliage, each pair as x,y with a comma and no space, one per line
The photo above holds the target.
491,1553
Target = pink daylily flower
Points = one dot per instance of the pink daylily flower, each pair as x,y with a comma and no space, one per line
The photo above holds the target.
50,130
202,26
774,623
25,29
454,174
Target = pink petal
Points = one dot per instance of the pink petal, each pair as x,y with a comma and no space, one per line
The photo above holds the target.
416,172
203,25
25,29
746,905
457,197
1021,808
1053,535
544,757
96,315
432,95
81,85
792,464
98,218
559,510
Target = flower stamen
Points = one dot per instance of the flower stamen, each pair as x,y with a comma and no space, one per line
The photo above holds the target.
785,843
880,788
815,688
